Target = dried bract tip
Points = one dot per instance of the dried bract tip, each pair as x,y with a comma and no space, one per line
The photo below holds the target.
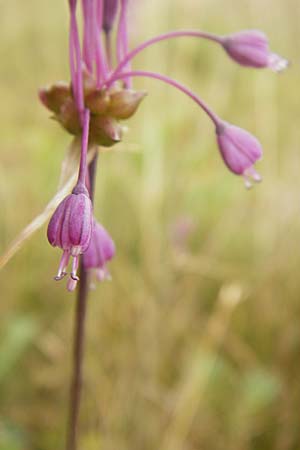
69,118
98,102
105,131
53,97
124,104
251,48
239,150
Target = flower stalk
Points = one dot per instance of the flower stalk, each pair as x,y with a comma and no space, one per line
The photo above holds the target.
79,339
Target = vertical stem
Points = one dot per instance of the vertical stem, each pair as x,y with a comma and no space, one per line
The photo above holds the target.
78,350
79,340
84,146
108,49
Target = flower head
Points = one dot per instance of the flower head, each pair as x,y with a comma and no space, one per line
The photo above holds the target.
251,48
70,228
100,251
239,150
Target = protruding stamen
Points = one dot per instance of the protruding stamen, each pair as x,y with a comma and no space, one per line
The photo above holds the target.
61,276
277,63
71,284
103,274
251,174
64,261
75,264
247,182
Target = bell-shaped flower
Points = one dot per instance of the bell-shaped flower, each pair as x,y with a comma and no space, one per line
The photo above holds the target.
240,150
70,228
251,48
100,251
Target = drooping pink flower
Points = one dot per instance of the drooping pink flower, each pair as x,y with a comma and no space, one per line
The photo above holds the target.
251,48
240,150
100,251
70,228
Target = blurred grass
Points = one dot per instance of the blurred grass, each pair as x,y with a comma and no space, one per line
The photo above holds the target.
192,346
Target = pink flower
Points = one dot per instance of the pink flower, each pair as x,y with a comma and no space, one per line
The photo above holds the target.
100,251
239,150
251,48
70,228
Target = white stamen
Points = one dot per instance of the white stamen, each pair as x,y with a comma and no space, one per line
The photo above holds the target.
62,266
71,285
247,182
277,63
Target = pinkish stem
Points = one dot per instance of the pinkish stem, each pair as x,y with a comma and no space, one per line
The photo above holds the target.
84,147
75,60
162,37
122,39
101,63
140,73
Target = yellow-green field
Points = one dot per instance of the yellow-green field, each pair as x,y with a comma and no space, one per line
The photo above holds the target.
195,344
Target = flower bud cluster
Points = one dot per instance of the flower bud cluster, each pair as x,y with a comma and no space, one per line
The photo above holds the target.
107,106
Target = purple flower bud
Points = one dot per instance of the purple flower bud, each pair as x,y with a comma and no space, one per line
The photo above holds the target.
109,14
100,251
251,48
240,150
70,228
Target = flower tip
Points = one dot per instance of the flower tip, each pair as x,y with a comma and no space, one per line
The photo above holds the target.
277,63
250,175
250,48
60,276
71,285
103,275
239,150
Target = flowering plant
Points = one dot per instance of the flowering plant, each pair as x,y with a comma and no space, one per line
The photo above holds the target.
92,108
